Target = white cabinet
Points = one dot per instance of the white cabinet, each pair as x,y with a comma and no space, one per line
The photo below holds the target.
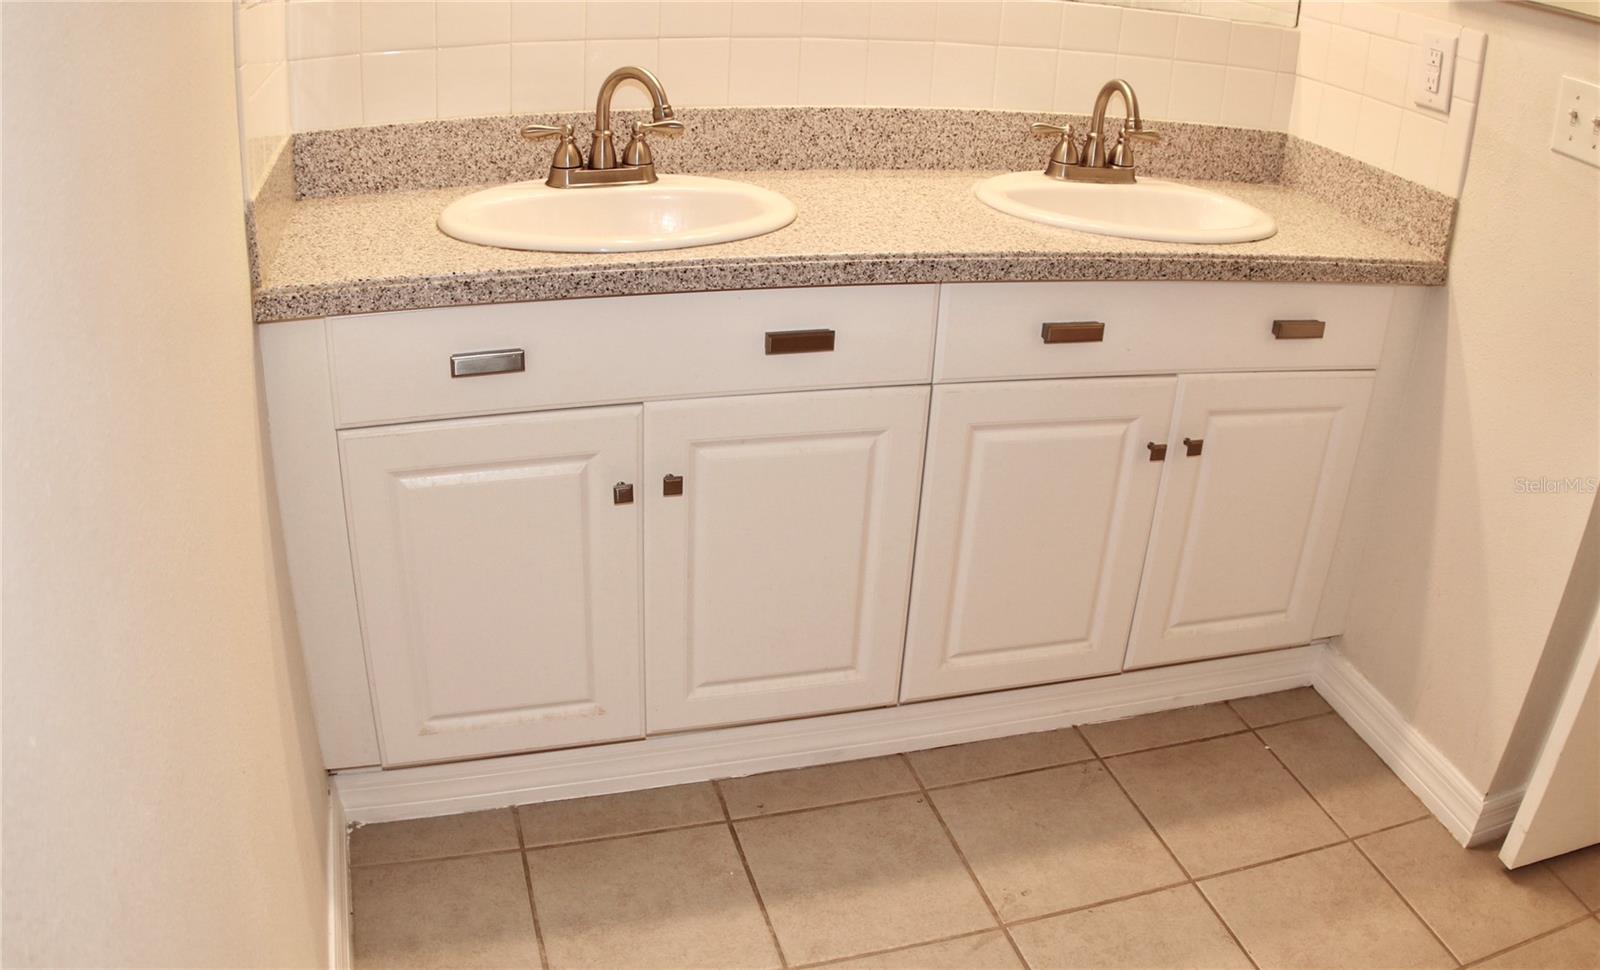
1036,509
498,581
776,580
1248,513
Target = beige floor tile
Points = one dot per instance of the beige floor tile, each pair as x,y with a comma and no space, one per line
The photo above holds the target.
1172,929
1343,774
1283,705
1580,870
985,951
466,912
666,899
856,878
1575,948
433,838
1000,756
1224,803
1327,908
782,791
1475,905
628,813
1054,839
1162,728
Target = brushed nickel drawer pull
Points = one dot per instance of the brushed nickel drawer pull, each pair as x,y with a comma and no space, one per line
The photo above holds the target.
1157,452
799,341
1077,332
672,485
481,362
622,493
1298,329
1193,445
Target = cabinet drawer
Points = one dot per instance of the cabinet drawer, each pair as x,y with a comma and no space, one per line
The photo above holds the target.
1000,330
391,367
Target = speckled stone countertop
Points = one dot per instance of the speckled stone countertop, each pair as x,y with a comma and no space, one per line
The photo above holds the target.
367,253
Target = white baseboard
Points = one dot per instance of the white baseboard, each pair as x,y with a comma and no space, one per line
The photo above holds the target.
340,948
373,795
1471,816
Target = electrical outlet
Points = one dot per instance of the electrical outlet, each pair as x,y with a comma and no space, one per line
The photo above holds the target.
1433,70
1577,128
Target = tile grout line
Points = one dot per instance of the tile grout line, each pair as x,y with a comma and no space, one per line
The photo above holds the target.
749,875
1177,861
1359,851
961,854
1547,933
1567,886
527,879
831,961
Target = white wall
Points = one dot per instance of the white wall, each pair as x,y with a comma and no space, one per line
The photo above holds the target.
366,63
163,801
1465,570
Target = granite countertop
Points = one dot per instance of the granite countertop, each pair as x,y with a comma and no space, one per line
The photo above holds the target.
367,253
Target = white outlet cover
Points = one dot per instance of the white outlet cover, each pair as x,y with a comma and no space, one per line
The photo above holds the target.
1577,124
1445,45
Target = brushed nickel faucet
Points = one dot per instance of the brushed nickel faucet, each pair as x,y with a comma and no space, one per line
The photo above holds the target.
1094,162
568,170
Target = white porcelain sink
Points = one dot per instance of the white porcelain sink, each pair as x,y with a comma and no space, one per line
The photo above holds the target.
674,212
1148,209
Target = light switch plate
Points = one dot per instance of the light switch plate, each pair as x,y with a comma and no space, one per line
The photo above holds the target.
1433,70
1577,124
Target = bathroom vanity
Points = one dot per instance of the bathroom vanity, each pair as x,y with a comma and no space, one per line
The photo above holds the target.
526,526
908,472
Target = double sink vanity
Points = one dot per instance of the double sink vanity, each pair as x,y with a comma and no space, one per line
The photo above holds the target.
884,446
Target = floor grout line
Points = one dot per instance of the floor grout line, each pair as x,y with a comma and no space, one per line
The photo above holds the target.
1449,951
1002,925
831,961
1177,861
749,875
1550,932
527,878
967,865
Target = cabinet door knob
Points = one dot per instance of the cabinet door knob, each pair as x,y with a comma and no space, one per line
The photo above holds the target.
1077,332
672,485
622,493
1157,452
1193,445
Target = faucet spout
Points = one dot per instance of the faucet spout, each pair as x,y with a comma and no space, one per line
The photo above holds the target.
602,148
1096,149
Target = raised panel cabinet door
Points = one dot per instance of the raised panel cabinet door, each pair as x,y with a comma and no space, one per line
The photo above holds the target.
778,557
1248,514
498,581
1036,507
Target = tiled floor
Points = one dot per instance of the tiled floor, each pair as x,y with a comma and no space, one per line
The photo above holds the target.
1257,833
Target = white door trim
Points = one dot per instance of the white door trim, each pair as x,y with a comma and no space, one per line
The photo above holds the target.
341,949
373,795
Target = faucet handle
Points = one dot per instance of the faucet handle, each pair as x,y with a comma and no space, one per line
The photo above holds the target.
1066,150
668,126
1121,154
535,132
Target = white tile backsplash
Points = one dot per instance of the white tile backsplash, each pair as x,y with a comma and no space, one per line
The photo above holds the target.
1024,78
963,75
399,86
474,80
352,62
764,70
464,23
833,71
967,21
397,25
